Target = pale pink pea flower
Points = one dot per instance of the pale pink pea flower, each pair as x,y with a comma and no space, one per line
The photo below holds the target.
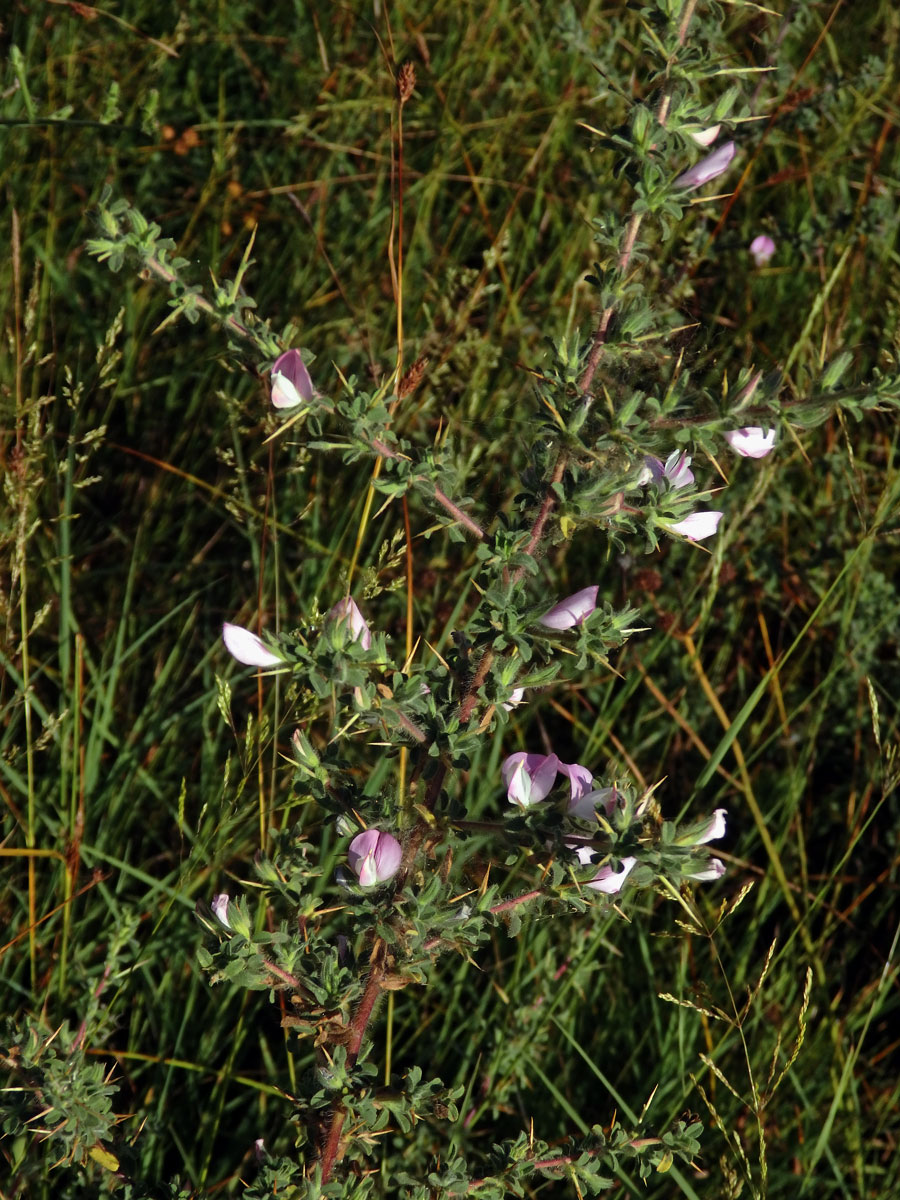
697,525
585,805
572,611
761,249
609,881
219,905
529,777
247,648
714,829
580,781
374,856
752,441
707,168
291,382
676,470
715,870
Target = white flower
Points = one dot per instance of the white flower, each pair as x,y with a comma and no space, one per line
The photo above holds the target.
219,905
714,829
677,469
751,442
247,648
715,870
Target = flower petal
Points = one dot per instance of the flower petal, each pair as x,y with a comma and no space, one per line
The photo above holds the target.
347,612
715,829
586,805
715,870
529,777
761,249
751,442
291,382
610,881
580,780
706,137
388,854
653,471
707,168
697,525
573,610
247,648
374,856
219,905
677,469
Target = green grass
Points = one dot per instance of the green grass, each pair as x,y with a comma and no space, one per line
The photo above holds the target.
142,509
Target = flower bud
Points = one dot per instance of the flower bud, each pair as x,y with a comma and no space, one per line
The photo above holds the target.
346,612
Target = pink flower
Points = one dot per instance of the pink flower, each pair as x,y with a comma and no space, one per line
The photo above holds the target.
697,525
585,805
247,648
715,870
516,696
573,610
745,395
751,442
580,781
529,777
714,829
291,384
761,249
707,168
610,881
374,856
346,612
675,471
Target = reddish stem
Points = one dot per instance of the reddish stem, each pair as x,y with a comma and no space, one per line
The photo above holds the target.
361,1018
